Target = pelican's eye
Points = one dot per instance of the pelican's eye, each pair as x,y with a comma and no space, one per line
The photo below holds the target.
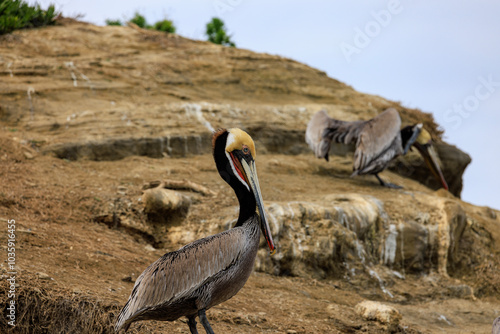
246,150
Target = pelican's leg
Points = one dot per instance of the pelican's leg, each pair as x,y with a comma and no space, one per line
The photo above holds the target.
192,324
204,321
387,184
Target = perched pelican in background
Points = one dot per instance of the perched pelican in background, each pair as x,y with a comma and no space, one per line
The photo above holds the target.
378,141
211,270
496,326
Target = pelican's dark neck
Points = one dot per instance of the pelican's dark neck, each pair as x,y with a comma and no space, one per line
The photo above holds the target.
406,134
245,197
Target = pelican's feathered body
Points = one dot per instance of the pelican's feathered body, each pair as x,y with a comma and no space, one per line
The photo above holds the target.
378,141
209,271
496,326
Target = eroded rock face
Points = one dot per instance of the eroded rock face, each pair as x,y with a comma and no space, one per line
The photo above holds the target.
451,230
320,239
118,148
407,246
354,231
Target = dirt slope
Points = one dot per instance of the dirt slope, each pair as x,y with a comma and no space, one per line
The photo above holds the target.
90,114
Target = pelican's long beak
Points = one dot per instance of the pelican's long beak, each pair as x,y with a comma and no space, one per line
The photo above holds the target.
430,156
253,181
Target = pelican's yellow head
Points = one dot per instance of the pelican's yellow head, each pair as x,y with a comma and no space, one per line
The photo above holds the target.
423,143
239,140
424,137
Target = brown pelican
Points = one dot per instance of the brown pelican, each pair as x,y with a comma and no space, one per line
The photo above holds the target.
211,270
496,326
377,140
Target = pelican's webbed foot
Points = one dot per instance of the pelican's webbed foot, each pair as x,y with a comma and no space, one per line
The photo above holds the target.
387,184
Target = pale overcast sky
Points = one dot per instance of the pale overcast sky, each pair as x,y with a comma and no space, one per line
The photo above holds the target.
442,57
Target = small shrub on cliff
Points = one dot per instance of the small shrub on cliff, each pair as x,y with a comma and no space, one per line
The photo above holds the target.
113,22
139,20
17,14
165,25
217,34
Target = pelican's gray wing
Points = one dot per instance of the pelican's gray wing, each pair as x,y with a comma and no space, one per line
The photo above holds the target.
322,130
177,274
379,140
496,326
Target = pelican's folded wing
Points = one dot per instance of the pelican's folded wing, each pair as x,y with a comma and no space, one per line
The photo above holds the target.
177,274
